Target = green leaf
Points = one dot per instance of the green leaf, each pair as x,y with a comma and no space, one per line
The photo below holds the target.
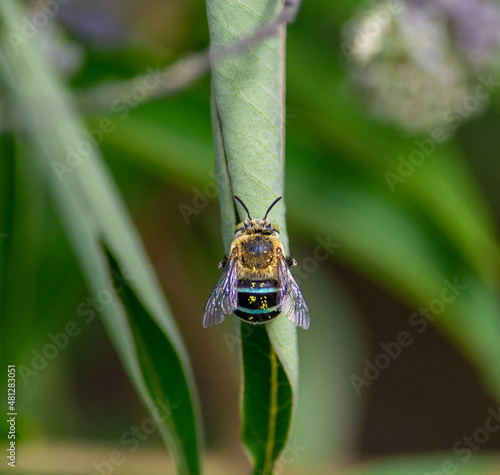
153,352
248,124
136,315
266,408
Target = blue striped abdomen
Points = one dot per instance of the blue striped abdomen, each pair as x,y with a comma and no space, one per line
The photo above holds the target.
257,301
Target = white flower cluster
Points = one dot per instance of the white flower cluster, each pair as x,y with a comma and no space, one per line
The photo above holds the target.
416,61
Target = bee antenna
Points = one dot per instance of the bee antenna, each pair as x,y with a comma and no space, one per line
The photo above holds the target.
272,204
244,206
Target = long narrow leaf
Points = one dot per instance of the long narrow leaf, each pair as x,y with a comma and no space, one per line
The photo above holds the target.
98,226
248,122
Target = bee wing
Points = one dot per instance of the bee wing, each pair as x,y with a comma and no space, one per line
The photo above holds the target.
223,299
291,298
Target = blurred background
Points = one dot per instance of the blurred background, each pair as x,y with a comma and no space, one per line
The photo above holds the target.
393,205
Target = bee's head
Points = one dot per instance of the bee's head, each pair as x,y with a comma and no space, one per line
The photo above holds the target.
252,226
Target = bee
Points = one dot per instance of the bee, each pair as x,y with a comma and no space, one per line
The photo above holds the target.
256,282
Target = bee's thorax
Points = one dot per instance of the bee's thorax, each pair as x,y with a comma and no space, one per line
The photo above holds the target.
257,256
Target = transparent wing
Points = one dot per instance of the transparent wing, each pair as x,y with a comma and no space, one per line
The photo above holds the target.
223,299
291,298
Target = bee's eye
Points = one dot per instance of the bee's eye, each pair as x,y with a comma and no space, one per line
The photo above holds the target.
239,227
275,227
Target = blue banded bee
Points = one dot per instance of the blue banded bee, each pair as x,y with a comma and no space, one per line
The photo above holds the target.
256,282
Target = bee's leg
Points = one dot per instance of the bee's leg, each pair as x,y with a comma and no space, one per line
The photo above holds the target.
222,263
291,261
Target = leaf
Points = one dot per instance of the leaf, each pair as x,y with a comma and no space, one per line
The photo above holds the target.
248,124
105,242
266,409
153,351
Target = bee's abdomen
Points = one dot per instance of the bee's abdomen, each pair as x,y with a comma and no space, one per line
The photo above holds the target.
257,301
